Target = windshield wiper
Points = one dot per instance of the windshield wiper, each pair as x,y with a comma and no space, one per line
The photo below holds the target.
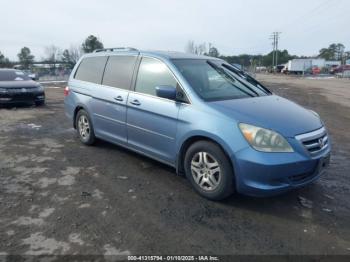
223,70
247,77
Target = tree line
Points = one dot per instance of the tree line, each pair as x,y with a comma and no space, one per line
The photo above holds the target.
54,54
68,57
335,52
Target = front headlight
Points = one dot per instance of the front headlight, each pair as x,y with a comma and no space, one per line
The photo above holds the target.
3,90
40,88
265,140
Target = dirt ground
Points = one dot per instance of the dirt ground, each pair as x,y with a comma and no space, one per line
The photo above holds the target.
60,197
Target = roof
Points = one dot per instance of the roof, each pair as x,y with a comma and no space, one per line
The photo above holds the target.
174,55
156,53
9,69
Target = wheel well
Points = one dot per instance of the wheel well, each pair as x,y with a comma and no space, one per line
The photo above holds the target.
187,144
77,109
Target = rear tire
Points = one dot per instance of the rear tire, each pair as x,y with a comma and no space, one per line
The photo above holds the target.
85,129
209,170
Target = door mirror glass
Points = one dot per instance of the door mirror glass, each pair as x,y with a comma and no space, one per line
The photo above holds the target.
168,92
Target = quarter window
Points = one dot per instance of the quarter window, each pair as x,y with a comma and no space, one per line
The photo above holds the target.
118,72
91,69
153,73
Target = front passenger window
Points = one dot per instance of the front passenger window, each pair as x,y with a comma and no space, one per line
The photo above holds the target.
152,73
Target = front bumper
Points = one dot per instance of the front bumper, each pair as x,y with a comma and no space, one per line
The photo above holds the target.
265,174
22,97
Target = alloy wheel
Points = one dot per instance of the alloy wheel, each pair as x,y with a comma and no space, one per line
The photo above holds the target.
84,127
206,171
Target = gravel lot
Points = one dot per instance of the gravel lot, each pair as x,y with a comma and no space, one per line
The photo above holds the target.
60,197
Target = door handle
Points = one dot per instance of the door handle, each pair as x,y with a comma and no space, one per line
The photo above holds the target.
135,102
118,98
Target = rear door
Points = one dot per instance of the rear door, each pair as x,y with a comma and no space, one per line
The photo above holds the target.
85,82
151,120
109,100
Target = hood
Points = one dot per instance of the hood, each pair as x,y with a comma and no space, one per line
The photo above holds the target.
271,112
18,84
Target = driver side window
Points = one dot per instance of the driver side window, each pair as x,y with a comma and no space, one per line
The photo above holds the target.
152,73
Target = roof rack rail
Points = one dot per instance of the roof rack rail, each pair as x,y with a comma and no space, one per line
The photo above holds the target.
116,49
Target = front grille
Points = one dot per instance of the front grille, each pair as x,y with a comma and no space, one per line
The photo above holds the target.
314,142
21,90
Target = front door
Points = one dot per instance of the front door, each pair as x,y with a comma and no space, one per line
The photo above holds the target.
151,120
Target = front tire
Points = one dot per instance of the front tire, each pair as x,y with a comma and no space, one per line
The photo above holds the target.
209,170
84,128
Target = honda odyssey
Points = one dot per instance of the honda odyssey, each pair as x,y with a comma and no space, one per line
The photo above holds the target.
206,118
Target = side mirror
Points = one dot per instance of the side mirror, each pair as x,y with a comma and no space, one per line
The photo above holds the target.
168,92
33,77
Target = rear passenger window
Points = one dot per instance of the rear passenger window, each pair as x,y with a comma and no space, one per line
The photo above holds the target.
153,73
91,69
118,72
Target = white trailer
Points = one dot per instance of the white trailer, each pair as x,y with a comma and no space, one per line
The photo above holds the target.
299,66
318,62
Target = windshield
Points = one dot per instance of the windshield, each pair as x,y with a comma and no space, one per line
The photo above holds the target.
13,75
216,80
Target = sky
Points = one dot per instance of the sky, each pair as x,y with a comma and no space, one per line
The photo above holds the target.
233,26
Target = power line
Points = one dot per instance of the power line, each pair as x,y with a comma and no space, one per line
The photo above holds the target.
331,18
309,14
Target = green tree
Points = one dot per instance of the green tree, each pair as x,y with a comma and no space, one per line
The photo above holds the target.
213,51
91,43
259,60
67,58
333,52
25,57
326,53
71,56
283,57
4,61
243,59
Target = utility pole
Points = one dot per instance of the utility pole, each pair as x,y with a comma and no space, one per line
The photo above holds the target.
275,38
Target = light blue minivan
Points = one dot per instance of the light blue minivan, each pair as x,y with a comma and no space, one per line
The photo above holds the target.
206,118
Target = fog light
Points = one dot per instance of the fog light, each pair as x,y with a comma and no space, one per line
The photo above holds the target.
5,99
